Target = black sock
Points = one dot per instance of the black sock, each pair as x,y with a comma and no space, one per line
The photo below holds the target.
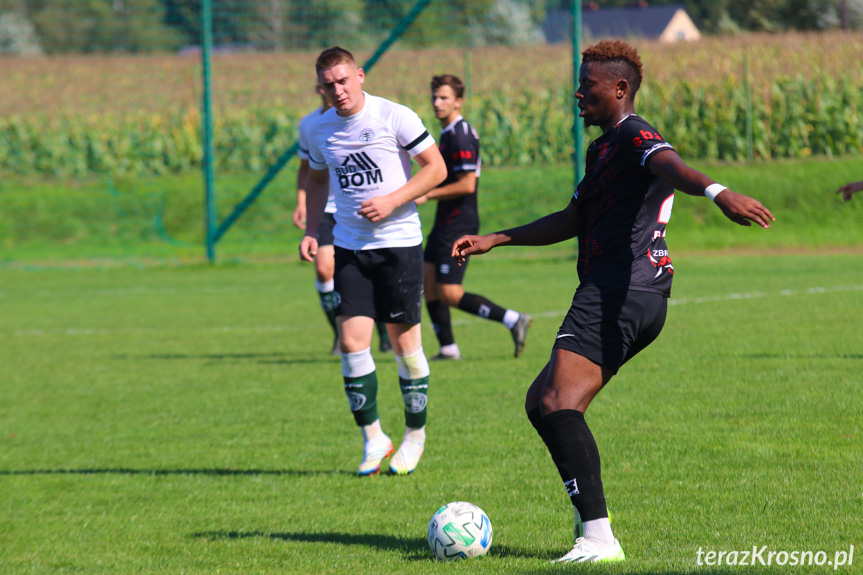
538,422
535,418
577,458
439,313
478,305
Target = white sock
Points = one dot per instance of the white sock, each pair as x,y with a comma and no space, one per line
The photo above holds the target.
325,287
415,435
579,526
510,318
451,349
413,366
599,530
372,431
357,363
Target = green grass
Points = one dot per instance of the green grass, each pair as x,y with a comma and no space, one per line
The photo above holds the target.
189,420
160,219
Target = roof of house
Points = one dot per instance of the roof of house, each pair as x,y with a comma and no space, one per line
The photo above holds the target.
648,22
628,22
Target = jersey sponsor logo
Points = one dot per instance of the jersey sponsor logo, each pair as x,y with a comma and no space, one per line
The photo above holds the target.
367,136
661,261
358,170
645,136
453,215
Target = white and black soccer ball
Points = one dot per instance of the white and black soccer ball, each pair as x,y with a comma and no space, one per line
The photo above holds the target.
459,530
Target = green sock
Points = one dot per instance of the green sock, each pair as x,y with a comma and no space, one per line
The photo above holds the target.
362,393
328,304
415,396
382,333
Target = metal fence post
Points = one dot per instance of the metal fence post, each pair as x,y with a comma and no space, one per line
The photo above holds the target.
577,124
207,120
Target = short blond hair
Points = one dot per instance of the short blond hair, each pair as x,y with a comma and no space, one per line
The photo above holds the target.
333,57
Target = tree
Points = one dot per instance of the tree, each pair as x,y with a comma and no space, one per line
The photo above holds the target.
509,22
102,25
18,35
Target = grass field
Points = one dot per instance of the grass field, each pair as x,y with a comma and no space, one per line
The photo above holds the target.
139,221
189,420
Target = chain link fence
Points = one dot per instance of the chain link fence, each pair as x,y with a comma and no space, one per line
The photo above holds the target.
112,89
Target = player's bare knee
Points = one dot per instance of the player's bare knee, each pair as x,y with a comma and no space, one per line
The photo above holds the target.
549,403
324,273
451,294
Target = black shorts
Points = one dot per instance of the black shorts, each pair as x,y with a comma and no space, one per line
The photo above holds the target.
609,326
325,229
385,284
439,252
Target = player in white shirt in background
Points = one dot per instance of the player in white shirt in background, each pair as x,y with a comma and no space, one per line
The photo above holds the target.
325,259
364,145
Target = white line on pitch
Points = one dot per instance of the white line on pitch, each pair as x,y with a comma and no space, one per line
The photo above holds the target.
463,321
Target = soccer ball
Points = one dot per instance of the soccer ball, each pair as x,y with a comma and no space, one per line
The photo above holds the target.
459,530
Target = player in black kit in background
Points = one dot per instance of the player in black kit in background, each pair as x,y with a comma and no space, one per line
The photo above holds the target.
618,211
457,215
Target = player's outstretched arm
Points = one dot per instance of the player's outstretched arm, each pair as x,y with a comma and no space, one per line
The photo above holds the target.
551,229
850,189
738,208
317,188
465,184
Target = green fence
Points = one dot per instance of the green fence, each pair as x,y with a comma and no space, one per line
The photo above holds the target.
112,89
159,86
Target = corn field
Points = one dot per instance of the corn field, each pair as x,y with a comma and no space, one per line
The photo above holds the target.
74,116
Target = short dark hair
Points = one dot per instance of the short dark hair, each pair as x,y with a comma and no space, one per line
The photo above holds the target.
333,57
620,58
448,80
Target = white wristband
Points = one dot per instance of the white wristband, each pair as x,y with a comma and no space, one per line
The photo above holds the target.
713,190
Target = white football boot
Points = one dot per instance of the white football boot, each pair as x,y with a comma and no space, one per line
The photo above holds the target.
589,550
374,451
408,456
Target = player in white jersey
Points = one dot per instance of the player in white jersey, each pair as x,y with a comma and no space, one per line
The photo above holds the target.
364,146
325,258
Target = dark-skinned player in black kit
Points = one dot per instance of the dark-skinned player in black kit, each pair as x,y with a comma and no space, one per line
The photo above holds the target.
619,213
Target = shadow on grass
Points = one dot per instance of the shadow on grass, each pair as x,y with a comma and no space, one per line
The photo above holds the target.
214,472
412,549
264,358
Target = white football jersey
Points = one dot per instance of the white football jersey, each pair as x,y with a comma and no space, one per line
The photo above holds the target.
368,155
303,151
